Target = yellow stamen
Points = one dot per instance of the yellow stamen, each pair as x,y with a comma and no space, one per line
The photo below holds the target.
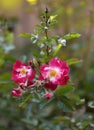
53,73
23,71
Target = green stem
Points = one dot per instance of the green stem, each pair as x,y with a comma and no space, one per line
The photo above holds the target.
23,104
46,31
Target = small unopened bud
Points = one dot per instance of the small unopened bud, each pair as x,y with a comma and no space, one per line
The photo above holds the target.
48,95
46,11
16,92
30,62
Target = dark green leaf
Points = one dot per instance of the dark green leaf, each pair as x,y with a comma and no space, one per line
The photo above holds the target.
60,118
64,90
9,58
1,62
33,122
85,124
91,71
24,103
43,24
46,102
66,104
6,82
5,77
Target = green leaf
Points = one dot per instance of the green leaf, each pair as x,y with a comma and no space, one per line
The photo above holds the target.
38,29
75,98
52,41
66,104
73,61
91,71
9,58
9,37
23,104
33,122
43,24
46,102
61,118
2,62
6,82
52,22
5,77
25,35
64,90
72,36
57,50
83,125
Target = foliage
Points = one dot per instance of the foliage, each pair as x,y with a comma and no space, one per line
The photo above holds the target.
75,108
46,43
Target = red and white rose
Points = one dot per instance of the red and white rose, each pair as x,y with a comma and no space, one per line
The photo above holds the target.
22,73
55,73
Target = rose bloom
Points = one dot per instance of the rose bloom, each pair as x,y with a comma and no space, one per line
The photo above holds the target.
56,73
22,73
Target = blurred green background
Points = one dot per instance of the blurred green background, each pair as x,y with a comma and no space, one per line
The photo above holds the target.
21,16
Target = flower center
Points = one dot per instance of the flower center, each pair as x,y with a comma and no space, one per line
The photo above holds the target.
53,73
23,71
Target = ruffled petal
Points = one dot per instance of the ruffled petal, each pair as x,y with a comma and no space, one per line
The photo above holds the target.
50,86
18,64
44,69
55,62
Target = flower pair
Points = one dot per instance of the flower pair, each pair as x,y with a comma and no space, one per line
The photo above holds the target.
52,75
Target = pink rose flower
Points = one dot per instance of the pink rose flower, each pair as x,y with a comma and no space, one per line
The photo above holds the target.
48,95
56,73
16,92
22,73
